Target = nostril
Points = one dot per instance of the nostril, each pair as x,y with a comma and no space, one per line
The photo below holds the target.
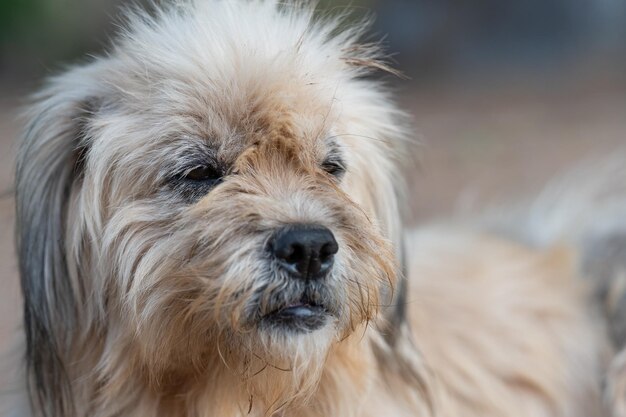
305,250
328,250
295,254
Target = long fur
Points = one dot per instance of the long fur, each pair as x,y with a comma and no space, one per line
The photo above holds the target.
145,295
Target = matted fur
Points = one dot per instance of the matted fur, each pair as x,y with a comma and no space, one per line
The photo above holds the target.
145,296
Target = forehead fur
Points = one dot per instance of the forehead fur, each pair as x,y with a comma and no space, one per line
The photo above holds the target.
227,65
232,72
237,50
257,40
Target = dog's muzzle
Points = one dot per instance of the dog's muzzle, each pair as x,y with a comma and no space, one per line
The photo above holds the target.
306,253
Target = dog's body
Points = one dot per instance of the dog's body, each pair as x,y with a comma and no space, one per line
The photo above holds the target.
208,225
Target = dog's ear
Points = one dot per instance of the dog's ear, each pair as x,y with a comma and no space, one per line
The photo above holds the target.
384,186
379,187
48,166
390,202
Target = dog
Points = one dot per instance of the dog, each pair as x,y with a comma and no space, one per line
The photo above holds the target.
209,224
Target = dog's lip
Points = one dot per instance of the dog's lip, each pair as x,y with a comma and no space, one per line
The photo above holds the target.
299,308
302,316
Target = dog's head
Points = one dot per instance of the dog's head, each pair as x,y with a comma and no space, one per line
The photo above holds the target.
222,183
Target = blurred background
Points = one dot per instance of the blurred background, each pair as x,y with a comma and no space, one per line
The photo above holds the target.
504,94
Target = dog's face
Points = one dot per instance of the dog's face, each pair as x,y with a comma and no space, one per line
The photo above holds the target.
232,196
227,210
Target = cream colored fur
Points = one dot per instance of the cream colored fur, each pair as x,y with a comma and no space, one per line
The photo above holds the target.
145,297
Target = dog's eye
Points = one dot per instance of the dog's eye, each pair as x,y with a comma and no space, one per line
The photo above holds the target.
202,174
334,166
195,182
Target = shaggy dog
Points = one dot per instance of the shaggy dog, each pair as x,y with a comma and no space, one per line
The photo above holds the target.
209,226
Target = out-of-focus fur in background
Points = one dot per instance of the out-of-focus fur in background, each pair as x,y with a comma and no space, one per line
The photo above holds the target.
505,94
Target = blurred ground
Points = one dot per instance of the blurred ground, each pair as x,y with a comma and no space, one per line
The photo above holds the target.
479,146
488,145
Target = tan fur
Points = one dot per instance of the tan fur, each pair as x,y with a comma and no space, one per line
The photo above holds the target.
538,346
146,296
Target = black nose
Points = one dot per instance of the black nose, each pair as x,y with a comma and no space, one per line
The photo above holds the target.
307,251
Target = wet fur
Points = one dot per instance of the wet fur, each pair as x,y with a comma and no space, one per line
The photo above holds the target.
143,297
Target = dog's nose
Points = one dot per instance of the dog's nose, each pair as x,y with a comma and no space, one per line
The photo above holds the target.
307,251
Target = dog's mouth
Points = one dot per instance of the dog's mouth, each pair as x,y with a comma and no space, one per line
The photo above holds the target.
304,315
